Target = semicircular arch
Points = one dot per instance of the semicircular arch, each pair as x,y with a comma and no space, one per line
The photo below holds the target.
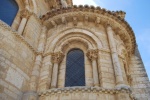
89,36
78,42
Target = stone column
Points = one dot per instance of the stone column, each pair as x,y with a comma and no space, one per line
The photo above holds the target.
93,55
24,15
33,85
117,67
56,59
115,59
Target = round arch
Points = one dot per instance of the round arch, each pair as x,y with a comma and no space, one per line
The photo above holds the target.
60,37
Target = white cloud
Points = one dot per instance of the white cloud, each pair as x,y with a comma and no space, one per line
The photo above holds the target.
84,2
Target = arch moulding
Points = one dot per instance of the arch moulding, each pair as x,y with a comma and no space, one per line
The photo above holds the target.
63,38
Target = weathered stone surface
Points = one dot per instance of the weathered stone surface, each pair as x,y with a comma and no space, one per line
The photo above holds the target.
33,60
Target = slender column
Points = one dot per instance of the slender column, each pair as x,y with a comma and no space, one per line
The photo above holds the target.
46,69
115,59
35,73
56,59
93,55
24,15
37,65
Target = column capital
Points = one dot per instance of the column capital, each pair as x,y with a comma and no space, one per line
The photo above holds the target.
25,13
92,54
57,57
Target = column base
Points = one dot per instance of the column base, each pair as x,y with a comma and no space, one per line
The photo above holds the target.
31,95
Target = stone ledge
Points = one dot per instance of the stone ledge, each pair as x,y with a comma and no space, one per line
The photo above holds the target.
86,89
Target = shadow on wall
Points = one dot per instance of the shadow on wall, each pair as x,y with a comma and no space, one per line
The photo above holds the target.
8,11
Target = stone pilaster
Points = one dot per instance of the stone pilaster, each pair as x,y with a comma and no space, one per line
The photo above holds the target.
24,15
93,55
56,59
33,85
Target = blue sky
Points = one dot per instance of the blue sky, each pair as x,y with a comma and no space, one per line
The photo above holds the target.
137,15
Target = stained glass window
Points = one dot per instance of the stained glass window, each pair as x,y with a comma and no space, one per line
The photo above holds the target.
75,73
8,11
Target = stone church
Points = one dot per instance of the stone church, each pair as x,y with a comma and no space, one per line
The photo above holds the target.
54,50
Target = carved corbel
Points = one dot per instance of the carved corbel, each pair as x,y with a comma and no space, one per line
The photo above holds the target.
64,21
53,23
97,21
75,21
25,13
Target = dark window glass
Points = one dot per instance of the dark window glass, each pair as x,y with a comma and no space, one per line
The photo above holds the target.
8,11
75,73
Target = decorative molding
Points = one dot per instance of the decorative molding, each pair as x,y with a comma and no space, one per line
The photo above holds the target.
92,54
114,19
25,13
84,90
64,21
75,21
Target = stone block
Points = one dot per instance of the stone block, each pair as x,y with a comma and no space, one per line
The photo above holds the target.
1,89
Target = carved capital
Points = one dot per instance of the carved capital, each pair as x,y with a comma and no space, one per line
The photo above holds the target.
57,57
25,13
92,54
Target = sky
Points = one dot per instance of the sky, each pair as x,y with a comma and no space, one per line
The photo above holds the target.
137,15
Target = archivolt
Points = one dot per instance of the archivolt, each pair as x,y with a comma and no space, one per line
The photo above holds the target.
80,33
81,42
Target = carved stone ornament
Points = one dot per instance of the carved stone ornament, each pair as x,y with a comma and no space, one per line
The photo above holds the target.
25,13
92,54
57,57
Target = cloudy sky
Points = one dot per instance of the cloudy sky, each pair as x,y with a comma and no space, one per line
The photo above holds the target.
137,15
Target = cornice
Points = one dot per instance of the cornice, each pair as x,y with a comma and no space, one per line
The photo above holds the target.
85,90
115,19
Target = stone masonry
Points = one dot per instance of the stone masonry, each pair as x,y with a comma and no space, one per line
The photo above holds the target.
33,53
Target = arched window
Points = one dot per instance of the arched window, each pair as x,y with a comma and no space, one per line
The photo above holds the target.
8,10
75,73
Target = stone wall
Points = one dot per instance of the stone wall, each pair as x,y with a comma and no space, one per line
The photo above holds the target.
43,7
32,31
16,61
85,93
140,81
106,70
